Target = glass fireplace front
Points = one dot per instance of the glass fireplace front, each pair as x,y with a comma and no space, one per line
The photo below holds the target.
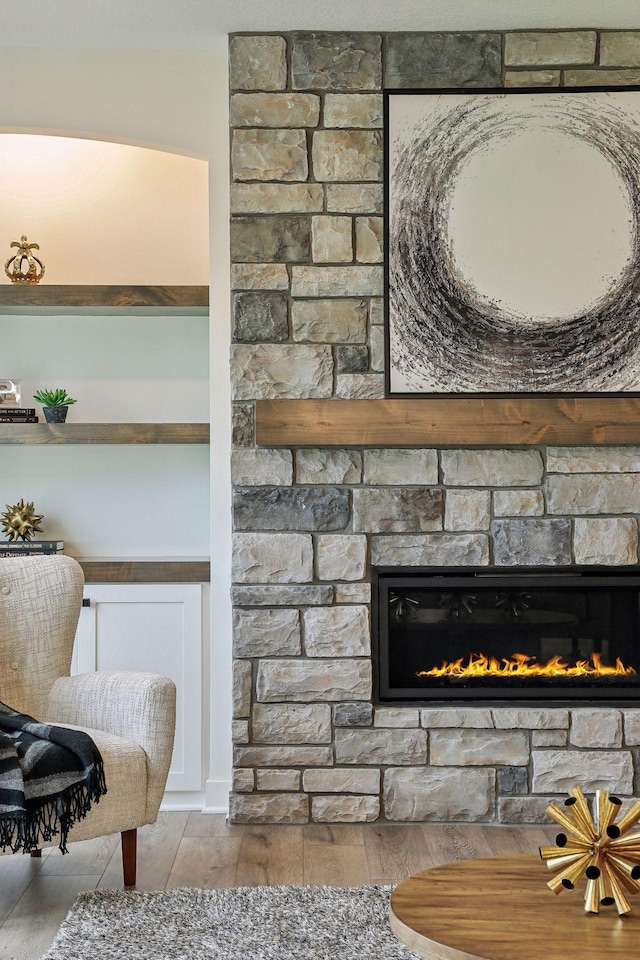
479,634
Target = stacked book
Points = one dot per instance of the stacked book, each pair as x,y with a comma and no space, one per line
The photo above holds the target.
30,548
10,413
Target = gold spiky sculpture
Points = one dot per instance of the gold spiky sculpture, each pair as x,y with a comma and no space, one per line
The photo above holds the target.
600,849
19,522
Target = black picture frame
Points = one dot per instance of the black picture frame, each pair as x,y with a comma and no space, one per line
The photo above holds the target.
479,300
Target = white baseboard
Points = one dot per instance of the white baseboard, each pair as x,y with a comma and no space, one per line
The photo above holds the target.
216,796
182,800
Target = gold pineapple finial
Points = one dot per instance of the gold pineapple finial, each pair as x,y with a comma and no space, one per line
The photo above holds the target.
20,522
599,850
14,267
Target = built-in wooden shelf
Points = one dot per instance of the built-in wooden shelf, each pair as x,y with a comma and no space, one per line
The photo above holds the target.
145,571
65,298
448,422
29,433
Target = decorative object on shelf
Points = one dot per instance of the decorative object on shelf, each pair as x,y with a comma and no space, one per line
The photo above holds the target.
20,522
487,291
32,548
10,413
55,404
596,848
9,392
23,266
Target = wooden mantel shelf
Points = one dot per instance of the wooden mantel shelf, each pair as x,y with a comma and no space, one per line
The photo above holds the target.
448,422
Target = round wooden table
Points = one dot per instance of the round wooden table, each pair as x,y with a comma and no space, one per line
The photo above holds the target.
500,908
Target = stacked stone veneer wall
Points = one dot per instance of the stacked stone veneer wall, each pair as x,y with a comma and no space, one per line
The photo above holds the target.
307,276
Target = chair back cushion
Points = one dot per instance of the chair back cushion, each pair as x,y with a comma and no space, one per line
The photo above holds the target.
40,601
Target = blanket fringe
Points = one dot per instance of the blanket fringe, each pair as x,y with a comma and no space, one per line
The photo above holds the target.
38,824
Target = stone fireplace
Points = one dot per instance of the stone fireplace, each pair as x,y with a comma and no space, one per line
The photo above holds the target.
311,740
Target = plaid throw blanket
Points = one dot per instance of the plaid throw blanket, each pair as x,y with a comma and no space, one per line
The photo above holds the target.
49,777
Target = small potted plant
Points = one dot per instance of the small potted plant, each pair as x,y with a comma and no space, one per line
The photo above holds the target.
55,404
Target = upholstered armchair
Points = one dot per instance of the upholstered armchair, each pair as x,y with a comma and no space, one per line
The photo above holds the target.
130,716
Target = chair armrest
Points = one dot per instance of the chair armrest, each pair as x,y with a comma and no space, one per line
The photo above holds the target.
136,706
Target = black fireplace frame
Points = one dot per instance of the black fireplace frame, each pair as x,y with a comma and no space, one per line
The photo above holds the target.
523,577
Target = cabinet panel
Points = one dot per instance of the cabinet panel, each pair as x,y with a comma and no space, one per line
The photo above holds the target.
156,628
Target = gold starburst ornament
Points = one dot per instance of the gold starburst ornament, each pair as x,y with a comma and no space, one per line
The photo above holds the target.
20,522
595,847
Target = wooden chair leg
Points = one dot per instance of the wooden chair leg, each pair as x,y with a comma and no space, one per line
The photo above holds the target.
36,853
129,846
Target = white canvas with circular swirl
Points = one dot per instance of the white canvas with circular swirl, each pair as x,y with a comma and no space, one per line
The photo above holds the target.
513,241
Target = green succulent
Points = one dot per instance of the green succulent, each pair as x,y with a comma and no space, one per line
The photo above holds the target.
53,398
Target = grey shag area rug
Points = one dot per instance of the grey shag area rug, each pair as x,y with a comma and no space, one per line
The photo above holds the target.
242,923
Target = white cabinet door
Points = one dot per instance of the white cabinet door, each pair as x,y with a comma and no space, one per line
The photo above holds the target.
155,628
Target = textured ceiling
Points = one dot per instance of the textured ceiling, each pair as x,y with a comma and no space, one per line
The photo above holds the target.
203,24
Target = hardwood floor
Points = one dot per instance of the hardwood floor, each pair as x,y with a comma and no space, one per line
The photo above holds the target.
196,850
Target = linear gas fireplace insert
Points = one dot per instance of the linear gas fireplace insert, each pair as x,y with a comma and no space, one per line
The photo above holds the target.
506,634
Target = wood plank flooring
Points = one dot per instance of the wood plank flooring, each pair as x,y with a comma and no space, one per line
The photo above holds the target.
196,850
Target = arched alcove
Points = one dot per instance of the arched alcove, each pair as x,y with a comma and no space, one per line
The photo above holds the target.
105,212
108,214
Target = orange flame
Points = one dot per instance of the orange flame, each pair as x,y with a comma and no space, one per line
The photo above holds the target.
520,665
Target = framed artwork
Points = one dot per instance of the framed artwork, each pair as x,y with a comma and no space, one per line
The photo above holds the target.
512,241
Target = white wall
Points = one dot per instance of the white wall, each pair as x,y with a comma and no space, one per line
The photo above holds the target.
219,783
174,101
155,98
114,502
119,369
